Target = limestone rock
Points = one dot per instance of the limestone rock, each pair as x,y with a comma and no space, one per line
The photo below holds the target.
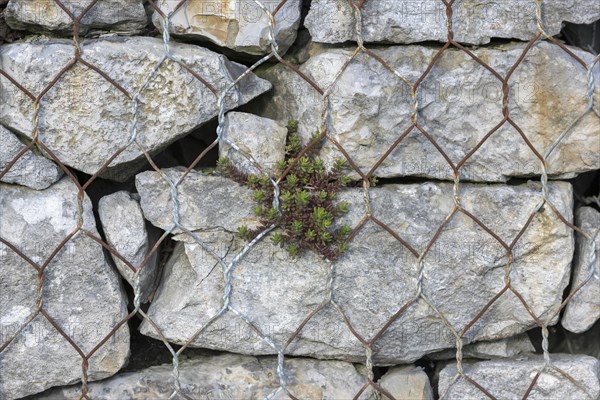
262,138
86,119
32,170
459,102
125,229
407,382
80,292
240,25
583,310
464,270
204,201
407,21
503,348
117,16
510,378
231,376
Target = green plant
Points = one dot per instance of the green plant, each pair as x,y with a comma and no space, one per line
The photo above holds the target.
307,200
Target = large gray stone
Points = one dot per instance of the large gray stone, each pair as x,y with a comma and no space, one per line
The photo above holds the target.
240,25
127,232
117,16
473,22
204,201
86,120
32,169
261,138
464,270
232,376
459,102
79,291
583,310
504,348
510,378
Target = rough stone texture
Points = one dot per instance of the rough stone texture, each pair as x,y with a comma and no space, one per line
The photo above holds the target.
126,230
80,291
262,138
232,377
459,102
583,310
510,378
32,170
240,25
117,16
464,270
473,22
204,201
504,348
407,383
86,119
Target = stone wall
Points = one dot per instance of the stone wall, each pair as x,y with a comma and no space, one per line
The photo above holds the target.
317,199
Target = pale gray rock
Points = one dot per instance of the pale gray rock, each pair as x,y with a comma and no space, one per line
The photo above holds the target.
80,292
125,17
464,270
504,348
406,383
205,200
32,169
240,25
127,232
86,119
473,22
459,102
583,310
510,378
231,376
261,138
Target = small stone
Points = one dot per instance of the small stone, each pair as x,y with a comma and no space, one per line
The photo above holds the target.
86,119
80,292
31,169
406,383
504,348
261,138
125,17
409,21
583,310
510,379
240,25
127,232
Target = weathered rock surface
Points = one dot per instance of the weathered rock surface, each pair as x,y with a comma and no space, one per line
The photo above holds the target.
32,170
80,292
204,201
464,270
237,377
127,232
407,21
503,348
239,25
117,16
262,138
407,382
459,102
509,379
86,119
583,310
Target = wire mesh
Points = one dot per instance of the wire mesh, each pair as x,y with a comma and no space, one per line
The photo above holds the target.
416,125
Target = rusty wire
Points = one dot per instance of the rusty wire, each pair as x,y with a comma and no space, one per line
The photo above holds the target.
227,267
